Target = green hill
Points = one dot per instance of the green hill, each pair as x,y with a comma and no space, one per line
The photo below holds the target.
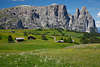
47,53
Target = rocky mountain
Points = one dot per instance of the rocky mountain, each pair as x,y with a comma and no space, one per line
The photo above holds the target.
52,16
82,21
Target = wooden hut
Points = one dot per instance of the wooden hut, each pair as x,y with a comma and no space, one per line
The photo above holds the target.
31,38
19,39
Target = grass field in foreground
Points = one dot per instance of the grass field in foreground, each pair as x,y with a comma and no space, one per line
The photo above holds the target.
31,54
46,53
71,57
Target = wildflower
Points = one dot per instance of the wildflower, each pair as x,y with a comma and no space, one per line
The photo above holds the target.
22,53
0,56
41,60
58,61
7,55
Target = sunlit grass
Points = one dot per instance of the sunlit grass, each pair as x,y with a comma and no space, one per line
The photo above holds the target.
52,58
46,53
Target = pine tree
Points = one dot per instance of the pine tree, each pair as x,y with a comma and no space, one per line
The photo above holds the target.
44,37
69,39
62,38
65,40
84,39
0,37
25,34
10,39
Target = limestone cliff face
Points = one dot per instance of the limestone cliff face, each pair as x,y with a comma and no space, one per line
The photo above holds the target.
82,21
52,16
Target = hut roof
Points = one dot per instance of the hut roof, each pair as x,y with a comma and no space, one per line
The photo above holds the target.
19,38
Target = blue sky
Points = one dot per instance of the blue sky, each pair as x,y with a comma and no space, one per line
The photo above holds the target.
93,6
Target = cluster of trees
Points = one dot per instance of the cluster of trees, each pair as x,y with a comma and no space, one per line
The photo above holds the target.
44,37
25,34
86,38
68,39
57,32
90,38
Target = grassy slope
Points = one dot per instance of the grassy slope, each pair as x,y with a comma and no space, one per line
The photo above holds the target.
40,53
38,33
32,45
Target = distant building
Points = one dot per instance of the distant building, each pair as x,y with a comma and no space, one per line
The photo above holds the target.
19,39
31,38
60,41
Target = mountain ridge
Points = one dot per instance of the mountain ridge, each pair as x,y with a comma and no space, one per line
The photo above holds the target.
51,16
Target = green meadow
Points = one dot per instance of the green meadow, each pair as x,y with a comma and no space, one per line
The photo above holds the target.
47,53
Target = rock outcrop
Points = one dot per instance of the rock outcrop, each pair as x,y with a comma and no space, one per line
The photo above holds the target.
82,21
52,16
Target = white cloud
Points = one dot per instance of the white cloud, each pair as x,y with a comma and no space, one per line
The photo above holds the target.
98,14
17,0
97,23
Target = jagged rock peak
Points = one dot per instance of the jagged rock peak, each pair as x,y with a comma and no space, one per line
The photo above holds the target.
77,10
82,21
77,13
83,8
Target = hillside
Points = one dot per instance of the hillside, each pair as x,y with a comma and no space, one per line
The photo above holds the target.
47,53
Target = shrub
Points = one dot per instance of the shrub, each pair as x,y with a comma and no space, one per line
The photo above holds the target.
69,39
84,40
25,34
44,37
63,34
62,38
94,40
0,37
76,43
65,40
54,33
89,38
10,39
39,29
